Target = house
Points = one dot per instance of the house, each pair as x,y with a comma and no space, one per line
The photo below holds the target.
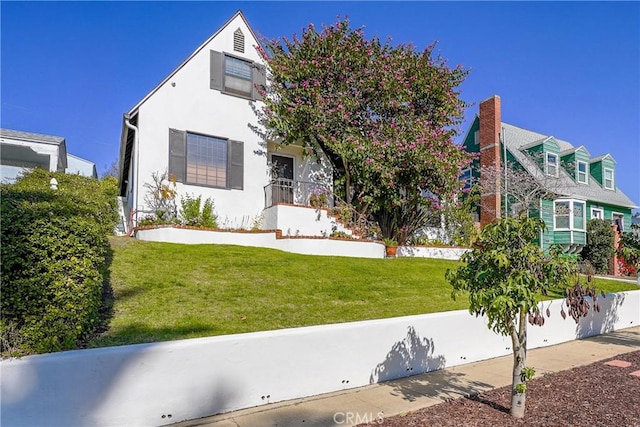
200,125
80,166
584,186
25,150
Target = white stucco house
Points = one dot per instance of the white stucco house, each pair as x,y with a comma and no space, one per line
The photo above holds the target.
199,124
20,151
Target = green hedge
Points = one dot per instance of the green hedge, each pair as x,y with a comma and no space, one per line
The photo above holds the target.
54,252
599,248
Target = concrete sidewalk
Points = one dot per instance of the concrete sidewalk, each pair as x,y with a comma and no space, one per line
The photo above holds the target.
365,404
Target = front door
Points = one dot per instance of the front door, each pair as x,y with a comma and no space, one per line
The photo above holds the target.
282,183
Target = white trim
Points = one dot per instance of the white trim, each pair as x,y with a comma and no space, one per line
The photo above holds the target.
594,209
571,215
604,179
546,163
619,214
586,172
202,46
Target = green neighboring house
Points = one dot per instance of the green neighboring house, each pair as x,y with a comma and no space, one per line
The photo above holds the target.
585,185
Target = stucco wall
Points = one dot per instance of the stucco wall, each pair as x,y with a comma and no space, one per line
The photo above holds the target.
163,383
265,239
431,252
186,102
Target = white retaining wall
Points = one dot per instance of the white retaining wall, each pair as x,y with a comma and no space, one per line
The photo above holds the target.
431,252
266,239
163,383
301,221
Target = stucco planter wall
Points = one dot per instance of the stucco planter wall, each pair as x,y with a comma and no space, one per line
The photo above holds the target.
163,383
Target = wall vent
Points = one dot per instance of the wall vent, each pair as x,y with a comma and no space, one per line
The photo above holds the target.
238,41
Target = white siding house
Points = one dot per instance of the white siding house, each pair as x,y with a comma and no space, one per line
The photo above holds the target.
199,124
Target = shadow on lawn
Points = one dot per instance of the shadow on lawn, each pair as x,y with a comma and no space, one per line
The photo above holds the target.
139,333
413,356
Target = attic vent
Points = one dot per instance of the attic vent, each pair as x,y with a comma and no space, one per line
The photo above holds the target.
238,41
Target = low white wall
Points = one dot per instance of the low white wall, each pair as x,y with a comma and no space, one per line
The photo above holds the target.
301,221
163,383
265,239
431,252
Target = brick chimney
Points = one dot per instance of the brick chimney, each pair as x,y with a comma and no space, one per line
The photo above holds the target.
490,124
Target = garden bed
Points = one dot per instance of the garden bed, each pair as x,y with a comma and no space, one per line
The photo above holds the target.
593,395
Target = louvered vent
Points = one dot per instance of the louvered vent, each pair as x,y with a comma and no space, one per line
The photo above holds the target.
238,41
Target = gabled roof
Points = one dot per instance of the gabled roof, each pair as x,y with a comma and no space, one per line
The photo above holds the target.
537,142
573,150
600,158
517,139
195,52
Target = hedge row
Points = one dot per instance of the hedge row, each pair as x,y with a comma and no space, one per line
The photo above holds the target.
54,252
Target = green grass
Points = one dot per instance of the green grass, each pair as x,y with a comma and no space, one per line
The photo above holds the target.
168,291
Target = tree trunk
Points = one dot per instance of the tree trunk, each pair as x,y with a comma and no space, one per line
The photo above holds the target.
519,341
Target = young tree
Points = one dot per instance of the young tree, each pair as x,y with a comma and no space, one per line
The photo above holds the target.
506,275
384,115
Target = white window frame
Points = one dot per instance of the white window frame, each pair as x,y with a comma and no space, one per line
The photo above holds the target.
620,214
571,216
476,137
596,210
579,174
604,178
547,165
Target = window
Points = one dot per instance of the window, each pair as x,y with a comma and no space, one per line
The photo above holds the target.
466,178
237,76
476,137
618,219
569,215
608,179
597,213
582,172
206,160
578,216
562,216
551,164
198,159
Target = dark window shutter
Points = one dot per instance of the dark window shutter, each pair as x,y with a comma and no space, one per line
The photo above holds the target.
259,79
177,153
216,70
236,165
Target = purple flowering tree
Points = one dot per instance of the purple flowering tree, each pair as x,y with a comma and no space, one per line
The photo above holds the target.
385,115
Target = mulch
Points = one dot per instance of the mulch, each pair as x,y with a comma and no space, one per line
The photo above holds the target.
592,395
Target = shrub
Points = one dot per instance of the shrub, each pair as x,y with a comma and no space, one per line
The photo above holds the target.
194,212
599,248
54,259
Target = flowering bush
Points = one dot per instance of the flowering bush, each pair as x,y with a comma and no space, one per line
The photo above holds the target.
386,115
319,198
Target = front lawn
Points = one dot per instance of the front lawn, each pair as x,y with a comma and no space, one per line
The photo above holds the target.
169,291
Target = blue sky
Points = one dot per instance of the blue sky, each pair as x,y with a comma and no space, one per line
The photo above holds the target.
567,69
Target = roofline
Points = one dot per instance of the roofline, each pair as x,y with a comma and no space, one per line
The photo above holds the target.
601,158
159,85
35,137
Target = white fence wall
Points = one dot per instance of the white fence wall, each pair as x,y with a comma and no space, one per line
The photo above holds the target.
265,239
431,252
163,383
